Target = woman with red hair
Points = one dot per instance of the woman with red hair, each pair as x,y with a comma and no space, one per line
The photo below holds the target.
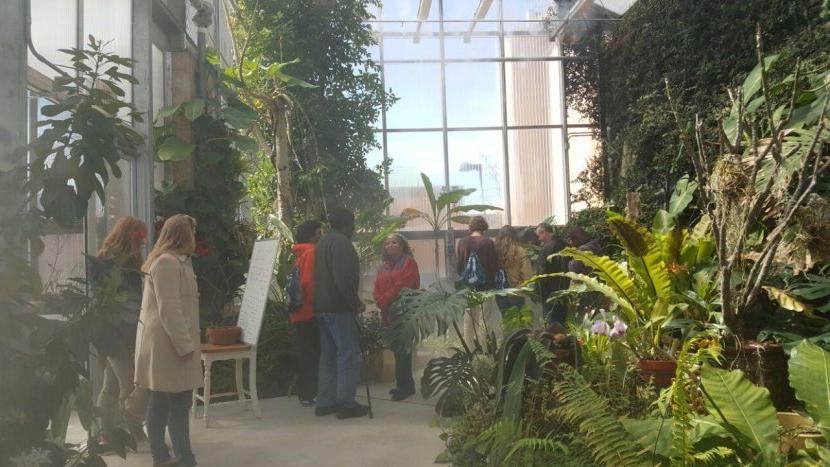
122,250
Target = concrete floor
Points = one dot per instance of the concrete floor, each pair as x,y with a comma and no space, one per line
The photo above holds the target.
401,434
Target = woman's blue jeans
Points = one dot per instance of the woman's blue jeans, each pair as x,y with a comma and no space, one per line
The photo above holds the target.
170,411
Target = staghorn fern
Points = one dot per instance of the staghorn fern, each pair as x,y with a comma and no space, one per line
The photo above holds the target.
603,434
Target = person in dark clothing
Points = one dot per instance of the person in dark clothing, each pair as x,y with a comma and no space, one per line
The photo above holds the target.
580,240
308,330
484,248
554,312
336,302
121,256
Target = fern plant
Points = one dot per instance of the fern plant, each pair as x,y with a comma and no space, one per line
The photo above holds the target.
602,433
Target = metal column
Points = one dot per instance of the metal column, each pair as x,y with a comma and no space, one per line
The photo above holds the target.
142,53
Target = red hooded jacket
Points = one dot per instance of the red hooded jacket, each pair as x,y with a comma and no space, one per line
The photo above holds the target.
392,278
304,261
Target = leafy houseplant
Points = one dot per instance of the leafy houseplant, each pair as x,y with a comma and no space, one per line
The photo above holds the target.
662,287
770,156
43,360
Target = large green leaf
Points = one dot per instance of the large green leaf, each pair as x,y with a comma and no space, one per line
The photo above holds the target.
451,377
595,285
609,272
752,83
810,377
193,109
453,196
785,300
515,387
644,256
653,434
745,408
238,118
475,207
684,192
433,203
174,149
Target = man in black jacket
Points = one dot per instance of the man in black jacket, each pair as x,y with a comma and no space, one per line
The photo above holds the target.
554,312
336,303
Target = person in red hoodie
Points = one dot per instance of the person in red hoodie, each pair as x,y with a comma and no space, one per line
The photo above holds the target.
399,271
308,331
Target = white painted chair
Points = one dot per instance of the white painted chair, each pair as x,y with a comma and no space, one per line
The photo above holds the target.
239,353
251,312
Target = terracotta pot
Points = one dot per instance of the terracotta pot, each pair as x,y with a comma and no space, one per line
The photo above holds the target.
224,335
765,364
660,372
794,441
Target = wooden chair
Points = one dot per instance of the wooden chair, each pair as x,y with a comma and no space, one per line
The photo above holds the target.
251,312
239,353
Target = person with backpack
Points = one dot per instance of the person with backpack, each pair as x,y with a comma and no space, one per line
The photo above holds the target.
336,304
300,300
514,266
477,267
399,271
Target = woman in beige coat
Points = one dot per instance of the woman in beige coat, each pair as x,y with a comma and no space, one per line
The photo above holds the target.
167,360
513,263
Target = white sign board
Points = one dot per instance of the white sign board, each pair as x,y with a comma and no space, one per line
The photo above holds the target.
257,288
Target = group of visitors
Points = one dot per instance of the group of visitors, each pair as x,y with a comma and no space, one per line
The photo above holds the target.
328,331
485,264
151,366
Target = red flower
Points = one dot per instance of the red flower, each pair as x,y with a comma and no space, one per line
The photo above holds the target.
202,249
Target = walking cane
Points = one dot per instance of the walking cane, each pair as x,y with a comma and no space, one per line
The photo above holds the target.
363,367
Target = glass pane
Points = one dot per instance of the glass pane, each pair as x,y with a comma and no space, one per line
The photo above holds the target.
532,90
471,47
406,10
424,253
525,9
54,26
536,176
473,95
476,160
418,89
111,21
527,47
404,41
374,158
583,147
412,154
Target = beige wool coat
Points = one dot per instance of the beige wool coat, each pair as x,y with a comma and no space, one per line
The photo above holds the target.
167,356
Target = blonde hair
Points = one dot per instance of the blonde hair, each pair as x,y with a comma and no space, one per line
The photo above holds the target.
506,243
178,237
125,239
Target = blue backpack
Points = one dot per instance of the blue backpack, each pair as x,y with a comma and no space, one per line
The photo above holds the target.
293,290
502,282
473,274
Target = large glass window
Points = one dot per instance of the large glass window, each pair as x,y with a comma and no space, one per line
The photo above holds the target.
473,95
479,88
418,89
411,154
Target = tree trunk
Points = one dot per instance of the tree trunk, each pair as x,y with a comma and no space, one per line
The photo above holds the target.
280,157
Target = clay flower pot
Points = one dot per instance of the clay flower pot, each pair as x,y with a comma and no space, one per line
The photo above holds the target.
661,372
224,335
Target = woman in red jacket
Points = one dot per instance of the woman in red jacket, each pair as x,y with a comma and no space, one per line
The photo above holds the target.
308,331
399,271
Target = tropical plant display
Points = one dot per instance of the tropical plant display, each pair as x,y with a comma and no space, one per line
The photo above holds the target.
44,361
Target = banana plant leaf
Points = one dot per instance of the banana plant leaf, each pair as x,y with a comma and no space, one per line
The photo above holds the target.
810,377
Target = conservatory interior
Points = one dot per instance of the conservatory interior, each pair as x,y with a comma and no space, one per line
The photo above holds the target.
581,232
